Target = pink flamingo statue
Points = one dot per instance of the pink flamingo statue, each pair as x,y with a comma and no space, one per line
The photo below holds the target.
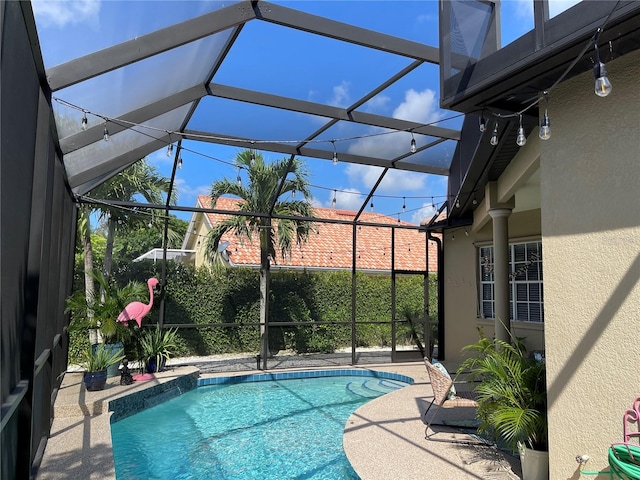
138,310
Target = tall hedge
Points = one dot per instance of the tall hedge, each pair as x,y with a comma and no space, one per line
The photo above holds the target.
231,296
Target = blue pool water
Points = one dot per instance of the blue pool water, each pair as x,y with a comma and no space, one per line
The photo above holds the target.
282,429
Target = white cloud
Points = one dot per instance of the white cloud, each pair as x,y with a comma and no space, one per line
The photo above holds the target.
377,103
425,212
346,199
394,182
159,157
60,13
421,107
187,194
340,97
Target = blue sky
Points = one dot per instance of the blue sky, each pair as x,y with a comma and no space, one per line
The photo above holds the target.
284,62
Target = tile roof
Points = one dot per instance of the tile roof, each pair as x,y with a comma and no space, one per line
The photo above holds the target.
330,245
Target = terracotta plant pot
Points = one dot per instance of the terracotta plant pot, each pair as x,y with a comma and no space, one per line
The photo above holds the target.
94,381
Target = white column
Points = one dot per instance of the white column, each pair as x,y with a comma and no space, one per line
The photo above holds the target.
500,217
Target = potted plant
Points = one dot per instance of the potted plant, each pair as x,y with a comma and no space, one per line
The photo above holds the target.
100,312
157,346
95,362
512,399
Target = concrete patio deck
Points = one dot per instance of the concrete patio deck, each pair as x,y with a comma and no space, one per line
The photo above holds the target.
383,439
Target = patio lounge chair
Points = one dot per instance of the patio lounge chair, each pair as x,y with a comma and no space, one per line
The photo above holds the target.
441,385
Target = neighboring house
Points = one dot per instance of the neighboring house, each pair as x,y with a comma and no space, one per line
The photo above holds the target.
329,246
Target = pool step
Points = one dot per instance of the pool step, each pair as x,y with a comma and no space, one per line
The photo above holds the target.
373,387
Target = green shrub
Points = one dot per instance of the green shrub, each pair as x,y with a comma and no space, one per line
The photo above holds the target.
232,296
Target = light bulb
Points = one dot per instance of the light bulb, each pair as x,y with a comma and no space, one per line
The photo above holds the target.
413,145
105,135
475,200
333,202
521,139
170,150
179,162
603,85
404,205
545,128
457,203
293,193
494,136
483,124
252,158
371,207
84,120
335,158
239,180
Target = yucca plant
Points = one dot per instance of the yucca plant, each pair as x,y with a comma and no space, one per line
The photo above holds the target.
157,346
97,359
511,393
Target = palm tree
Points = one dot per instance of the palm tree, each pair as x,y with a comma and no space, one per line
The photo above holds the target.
140,179
259,197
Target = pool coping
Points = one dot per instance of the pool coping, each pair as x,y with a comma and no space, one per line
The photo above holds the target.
289,375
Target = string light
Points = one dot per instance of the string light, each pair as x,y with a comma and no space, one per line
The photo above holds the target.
371,206
457,203
170,150
239,179
105,134
603,85
475,200
413,148
494,136
179,163
293,193
483,123
335,152
521,140
84,120
398,218
404,205
252,158
545,126
333,202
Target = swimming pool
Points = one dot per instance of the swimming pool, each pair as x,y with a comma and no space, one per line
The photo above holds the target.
247,428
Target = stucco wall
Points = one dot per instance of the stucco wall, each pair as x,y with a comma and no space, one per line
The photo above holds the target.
461,285
590,206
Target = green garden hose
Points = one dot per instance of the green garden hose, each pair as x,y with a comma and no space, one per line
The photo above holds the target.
624,460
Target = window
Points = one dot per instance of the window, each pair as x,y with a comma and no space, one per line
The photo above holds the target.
525,282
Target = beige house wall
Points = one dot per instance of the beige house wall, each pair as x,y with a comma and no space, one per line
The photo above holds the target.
197,237
590,172
461,285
